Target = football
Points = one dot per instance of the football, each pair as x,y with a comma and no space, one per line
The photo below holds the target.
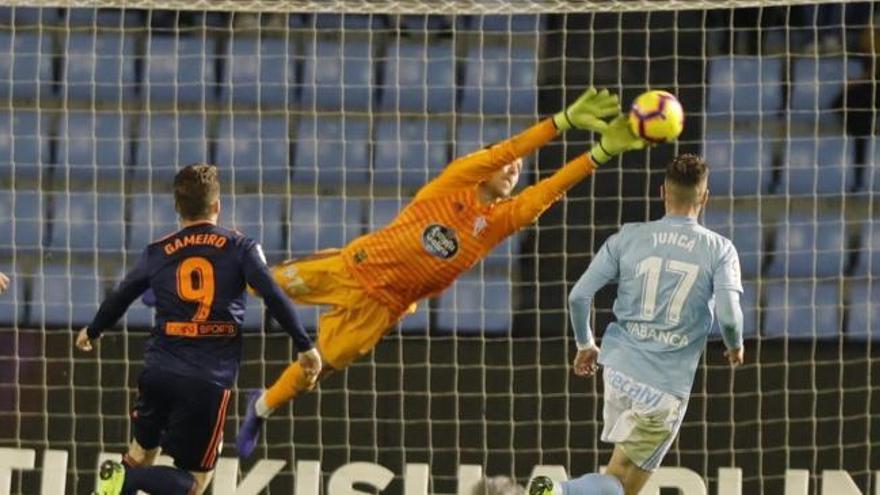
656,116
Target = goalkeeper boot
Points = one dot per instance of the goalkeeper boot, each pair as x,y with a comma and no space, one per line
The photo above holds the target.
111,478
541,485
249,433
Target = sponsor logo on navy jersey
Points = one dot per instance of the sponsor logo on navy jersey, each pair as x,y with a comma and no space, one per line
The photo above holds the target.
440,241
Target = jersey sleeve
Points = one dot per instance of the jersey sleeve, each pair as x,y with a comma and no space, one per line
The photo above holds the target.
114,306
477,167
602,270
257,275
727,273
528,205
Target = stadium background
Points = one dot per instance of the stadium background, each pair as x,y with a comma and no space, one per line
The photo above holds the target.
325,124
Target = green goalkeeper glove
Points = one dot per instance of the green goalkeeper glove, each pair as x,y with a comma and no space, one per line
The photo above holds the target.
616,139
589,111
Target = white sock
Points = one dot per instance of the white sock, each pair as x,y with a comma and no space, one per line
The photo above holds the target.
262,409
557,488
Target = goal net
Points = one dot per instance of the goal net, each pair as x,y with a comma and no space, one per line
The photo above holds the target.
326,117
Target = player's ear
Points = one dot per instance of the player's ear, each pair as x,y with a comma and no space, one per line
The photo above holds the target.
663,192
215,207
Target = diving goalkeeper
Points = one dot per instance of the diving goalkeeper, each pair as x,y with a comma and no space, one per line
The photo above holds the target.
451,224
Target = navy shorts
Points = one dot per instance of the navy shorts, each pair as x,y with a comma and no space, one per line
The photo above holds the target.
183,415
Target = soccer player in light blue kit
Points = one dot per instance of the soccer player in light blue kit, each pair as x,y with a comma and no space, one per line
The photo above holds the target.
672,275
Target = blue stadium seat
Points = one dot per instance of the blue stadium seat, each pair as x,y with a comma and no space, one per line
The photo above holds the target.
100,66
801,310
503,23
745,86
868,262
418,77
741,165
348,22
259,71
27,16
506,253
22,222
108,18
744,229
323,222
24,146
93,145
330,150
409,151
476,303
180,68
500,80
72,221
818,166
338,75
259,217
25,64
66,296
473,135
863,310
152,217
807,247
168,142
111,222
817,82
254,148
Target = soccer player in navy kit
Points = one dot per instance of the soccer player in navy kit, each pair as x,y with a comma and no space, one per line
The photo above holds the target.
191,359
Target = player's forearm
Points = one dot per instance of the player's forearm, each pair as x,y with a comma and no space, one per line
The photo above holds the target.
730,318
579,310
281,309
112,309
532,202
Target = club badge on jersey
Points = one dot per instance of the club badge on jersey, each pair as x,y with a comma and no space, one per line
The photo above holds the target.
440,241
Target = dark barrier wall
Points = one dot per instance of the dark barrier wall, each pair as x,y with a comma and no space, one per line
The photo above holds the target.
504,404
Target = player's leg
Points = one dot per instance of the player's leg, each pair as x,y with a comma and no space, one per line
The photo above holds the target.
346,332
631,476
590,484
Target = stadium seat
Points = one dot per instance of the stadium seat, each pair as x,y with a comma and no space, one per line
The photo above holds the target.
168,142
741,165
323,222
500,80
818,166
868,260
801,310
506,253
26,64
818,82
503,23
338,74
180,68
348,22
27,16
152,217
65,296
418,77
744,229
254,148
382,212
100,67
260,218
71,221
476,303
259,71
863,310
745,86
330,151
24,146
21,219
409,151
111,219
93,145
808,247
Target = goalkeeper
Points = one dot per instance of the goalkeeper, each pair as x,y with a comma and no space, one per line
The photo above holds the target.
450,225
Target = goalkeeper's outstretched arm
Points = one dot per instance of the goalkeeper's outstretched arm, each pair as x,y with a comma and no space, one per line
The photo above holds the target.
587,112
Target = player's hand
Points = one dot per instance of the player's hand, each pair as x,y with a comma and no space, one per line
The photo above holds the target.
735,356
311,363
616,139
4,282
586,362
589,111
83,342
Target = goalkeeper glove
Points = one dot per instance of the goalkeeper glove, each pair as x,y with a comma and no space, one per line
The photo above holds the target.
616,139
588,111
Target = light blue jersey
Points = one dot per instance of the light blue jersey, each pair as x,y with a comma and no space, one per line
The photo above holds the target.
668,273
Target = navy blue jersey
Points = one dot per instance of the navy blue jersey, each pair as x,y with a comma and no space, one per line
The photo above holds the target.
199,276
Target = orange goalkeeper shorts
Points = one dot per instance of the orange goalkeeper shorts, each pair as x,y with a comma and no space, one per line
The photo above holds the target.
355,322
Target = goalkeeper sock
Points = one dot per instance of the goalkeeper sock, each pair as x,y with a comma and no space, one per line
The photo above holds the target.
158,479
261,408
290,384
591,484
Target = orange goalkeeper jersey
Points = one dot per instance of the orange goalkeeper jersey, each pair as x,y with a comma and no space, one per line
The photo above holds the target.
446,229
